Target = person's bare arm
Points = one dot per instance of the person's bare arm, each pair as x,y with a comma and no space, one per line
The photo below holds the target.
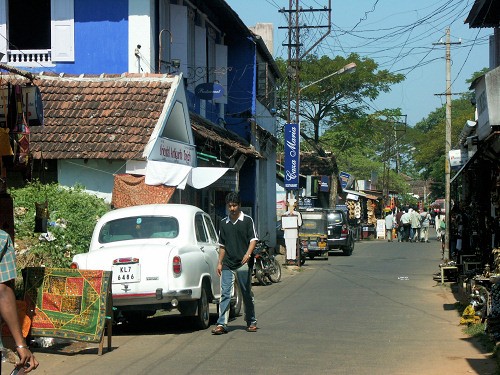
8,311
222,253
249,252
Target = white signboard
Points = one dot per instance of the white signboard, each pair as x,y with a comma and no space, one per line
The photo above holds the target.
174,152
380,228
457,158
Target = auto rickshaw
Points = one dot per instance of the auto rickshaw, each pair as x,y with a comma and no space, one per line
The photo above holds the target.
313,233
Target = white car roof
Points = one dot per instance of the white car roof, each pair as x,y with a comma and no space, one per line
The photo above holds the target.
169,209
184,214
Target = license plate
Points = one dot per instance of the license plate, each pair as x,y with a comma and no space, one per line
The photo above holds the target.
126,273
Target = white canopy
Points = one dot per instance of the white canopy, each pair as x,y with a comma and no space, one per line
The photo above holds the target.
178,175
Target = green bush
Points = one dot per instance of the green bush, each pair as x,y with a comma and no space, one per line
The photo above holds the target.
73,214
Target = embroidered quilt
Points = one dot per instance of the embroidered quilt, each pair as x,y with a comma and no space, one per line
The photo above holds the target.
67,303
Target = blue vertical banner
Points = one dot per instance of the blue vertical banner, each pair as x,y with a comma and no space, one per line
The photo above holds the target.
344,179
292,161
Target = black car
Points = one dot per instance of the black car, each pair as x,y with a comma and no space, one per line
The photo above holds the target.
340,234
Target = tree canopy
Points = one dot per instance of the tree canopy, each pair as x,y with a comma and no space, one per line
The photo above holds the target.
335,116
327,102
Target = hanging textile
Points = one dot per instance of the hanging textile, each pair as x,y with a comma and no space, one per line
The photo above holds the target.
129,190
5,148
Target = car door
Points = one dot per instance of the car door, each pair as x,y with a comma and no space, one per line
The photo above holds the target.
209,245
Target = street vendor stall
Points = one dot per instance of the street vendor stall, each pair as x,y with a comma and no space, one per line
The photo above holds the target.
361,213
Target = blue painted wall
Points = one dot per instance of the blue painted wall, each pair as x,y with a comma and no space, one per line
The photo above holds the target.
241,91
101,38
241,106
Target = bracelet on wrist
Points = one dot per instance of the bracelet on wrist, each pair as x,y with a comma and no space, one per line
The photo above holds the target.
22,347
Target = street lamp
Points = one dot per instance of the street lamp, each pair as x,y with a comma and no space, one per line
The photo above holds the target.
349,68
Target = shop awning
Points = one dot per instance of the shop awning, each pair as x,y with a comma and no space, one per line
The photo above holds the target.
178,175
360,194
465,166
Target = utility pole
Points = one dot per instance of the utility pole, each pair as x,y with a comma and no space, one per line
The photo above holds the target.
294,49
447,168
293,70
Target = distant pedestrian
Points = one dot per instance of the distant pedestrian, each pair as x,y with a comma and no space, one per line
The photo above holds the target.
424,230
399,225
389,225
406,222
415,226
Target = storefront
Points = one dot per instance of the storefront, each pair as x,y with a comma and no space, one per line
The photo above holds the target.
361,212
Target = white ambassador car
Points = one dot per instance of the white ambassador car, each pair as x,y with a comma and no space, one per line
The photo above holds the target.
163,256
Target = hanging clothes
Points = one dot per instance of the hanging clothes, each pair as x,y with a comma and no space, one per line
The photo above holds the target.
5,148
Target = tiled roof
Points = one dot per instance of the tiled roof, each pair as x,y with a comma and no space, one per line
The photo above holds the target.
97,117
207,130
104,116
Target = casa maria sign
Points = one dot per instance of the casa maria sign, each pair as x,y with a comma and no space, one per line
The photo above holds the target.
292,161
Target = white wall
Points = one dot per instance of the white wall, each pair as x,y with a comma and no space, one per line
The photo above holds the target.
140,31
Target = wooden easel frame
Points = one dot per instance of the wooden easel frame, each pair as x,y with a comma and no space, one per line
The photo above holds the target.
108,327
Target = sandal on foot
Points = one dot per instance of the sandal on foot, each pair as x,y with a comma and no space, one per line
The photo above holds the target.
219,330
252,329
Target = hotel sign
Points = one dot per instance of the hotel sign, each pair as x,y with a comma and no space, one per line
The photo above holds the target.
174,152
292,161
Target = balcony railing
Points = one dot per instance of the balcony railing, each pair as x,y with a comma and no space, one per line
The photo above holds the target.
30,57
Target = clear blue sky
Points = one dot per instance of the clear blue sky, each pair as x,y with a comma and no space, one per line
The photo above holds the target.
398,35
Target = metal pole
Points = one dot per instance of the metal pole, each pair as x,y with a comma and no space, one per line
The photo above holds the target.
297,100
447,200
448,147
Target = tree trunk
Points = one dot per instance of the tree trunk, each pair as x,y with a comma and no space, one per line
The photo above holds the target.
333,191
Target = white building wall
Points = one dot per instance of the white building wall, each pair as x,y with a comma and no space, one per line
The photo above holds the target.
266,178
265,31
140,32
95,175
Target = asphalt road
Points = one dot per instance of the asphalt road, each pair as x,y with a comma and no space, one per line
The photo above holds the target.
376,312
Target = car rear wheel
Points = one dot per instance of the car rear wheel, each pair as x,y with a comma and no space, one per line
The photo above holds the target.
202,317
347,250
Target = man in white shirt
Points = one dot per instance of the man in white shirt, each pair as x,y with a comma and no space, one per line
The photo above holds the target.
406,221
389,225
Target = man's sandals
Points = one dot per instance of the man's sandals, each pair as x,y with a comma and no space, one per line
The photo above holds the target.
252,328
219,330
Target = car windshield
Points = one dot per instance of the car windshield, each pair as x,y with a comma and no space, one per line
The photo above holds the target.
139,227
334,218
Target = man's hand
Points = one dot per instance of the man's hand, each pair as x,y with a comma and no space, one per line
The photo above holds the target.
246,258
219,269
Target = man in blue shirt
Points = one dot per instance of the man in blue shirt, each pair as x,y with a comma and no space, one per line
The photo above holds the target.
237,237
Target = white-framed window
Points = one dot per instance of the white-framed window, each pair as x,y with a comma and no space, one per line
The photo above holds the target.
37,32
